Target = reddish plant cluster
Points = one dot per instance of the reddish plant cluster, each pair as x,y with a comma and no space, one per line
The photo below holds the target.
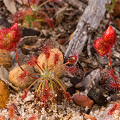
13,114
9,38
25,94
106,42
109,81
71,69
46,51
28,2
33,15
23,75
104,45
32,62
114,107
34,2
72,59
48,82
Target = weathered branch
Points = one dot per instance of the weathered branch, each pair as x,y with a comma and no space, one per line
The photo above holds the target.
88,23
77,4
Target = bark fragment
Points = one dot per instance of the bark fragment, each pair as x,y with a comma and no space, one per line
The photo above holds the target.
87,24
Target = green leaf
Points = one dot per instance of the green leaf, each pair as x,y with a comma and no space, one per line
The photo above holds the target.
110,7
29,20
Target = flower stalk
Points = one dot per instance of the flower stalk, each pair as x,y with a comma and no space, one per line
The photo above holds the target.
112,72
104,45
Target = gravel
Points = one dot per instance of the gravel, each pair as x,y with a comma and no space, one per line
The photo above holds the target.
30,107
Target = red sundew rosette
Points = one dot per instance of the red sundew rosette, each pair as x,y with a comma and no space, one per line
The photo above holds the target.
72,59
104,44
33,2
101,47
3,41
50,22
109,36
18,16
9,37
15,32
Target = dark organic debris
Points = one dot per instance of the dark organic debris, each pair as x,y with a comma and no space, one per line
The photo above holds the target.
96,95
91,79
29,32
71,90
114,97
77,83
4,22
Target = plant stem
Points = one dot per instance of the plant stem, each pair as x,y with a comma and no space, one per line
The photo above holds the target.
40,67
109,19
113,75
51,87
20,66
17,59
53,69
33,83
38,89
59,83
43,4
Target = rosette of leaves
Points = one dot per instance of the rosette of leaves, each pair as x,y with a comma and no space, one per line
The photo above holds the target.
34,15
50,67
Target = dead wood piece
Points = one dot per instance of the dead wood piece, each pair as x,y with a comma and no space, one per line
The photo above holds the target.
76,3
60,14
4,77
89,46
84,1
88,23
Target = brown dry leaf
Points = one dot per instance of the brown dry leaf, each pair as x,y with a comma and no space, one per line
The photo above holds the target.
117,22
4,94
16,80
82,100
60,14
10,5
89,117
62,41
42,62
117,9
22,2
4,77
